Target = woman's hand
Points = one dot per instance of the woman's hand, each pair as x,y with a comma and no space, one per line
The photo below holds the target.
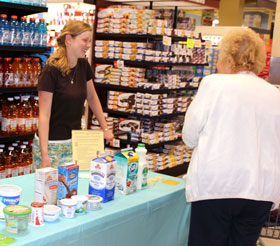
46,162
108,136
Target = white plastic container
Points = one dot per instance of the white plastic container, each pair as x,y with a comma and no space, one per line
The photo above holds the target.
142,174
68,207
9,195
51,213
93,202
81,206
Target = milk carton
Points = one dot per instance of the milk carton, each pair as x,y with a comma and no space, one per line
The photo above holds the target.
102,177
68,176
126,174
45,189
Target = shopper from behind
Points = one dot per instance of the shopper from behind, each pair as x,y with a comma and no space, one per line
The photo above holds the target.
233,124
64,85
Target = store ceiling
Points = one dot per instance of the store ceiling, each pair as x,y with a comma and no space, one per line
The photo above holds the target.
192,4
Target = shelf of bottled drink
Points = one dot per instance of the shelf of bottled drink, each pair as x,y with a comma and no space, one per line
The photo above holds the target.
20,9
12,138
18,90
21,49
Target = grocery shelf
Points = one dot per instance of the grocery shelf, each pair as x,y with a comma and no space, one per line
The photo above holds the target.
140,116
18,90
138,37
145,63
20,9
149,146
136,89
175,171
22,49
4,139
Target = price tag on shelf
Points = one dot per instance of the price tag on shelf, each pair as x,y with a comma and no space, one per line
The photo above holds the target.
190,43
167,40
197,43
119,64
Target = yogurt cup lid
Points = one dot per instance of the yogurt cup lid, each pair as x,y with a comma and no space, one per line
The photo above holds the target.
10,190
68,202
17,210
79,198
94,198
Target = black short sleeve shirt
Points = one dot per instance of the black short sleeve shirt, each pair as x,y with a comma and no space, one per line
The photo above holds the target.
68,99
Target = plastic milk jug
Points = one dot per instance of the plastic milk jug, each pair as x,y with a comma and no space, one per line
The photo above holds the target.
142,174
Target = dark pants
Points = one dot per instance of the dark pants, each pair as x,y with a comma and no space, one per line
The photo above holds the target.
227,222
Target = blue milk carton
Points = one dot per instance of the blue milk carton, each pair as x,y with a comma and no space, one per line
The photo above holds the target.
68,176
126,174
102,177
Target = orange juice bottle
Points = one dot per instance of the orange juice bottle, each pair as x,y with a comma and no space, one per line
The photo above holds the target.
22,159
26,111
25,75
16,71
13,117
21,119
35,114
37,70
9,161
8,72
6,117
2,165
29,72
17,104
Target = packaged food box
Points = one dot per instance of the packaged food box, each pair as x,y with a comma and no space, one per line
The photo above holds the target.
126,173
102,177
45,189
68,176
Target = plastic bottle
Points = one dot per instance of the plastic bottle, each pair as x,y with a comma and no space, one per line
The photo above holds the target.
27,113
36,70
9,161
142,174
8,72
16,71
7,114
2,165
29,162
17,106
43,33
34,34
1,72
21,120
24,32
13,117
22,159
14,31
4,30
25,73
35,114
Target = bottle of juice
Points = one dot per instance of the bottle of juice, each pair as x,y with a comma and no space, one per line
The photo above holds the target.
16,71
1,106
24,73
1,72
8,72
17,104
14,163
2,165
30,72
35,114
36,70
4,30
21,120
13,117
6,117
9,160
27,113
28,162
14,31
34,34
22,159
24,30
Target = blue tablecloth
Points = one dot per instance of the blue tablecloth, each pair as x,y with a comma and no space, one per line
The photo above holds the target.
158,215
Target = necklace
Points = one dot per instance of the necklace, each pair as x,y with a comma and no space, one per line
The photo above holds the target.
72,78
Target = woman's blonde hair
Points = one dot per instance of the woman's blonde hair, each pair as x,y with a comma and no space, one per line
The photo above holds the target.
244,50
59,58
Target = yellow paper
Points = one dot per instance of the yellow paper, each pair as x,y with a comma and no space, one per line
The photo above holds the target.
85,146
170,182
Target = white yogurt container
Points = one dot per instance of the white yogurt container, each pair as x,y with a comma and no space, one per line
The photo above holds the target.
9,195
68,207
93,202
81,206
